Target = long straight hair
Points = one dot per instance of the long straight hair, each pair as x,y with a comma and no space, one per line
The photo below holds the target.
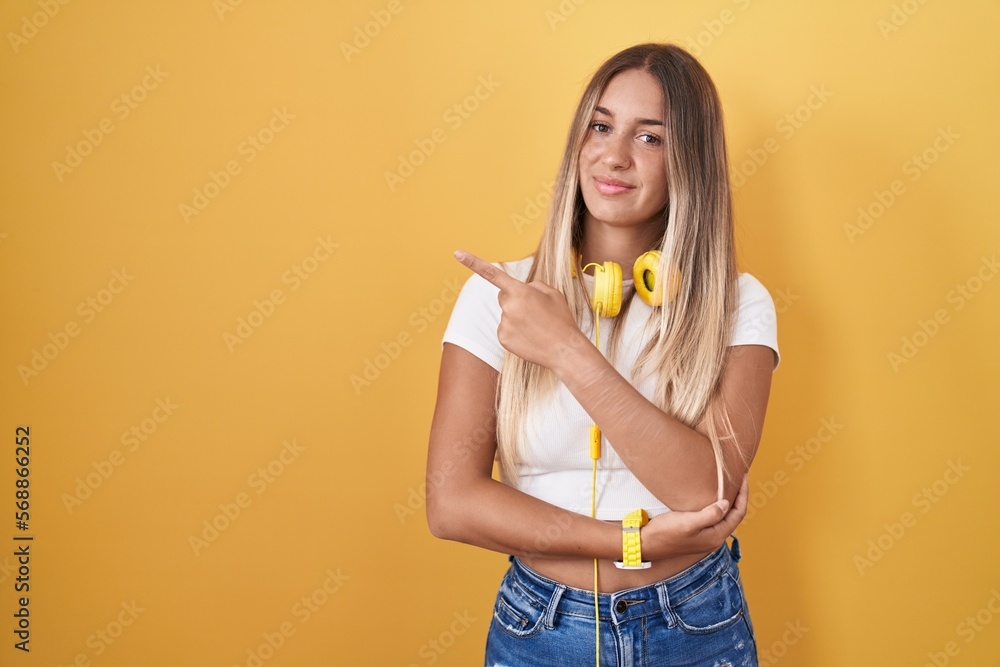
688,347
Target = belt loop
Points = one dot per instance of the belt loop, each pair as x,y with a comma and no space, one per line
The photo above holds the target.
735,549
662,590
550,610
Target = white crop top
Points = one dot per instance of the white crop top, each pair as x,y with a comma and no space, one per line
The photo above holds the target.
556,465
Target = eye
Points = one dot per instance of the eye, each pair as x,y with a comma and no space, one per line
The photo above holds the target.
650,139
600,127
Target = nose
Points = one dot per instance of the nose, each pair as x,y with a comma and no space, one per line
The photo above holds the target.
617,152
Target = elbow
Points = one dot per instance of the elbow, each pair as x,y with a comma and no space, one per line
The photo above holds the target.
440,509
700,496
692,503
437,521
694,497
447,506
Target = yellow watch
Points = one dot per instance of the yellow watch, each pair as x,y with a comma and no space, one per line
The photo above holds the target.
631,545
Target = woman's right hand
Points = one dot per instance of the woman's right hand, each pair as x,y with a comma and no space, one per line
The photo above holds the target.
680,533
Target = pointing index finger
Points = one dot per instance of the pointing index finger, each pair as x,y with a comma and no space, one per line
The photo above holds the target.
495,275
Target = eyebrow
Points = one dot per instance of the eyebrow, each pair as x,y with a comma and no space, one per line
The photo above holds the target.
640,121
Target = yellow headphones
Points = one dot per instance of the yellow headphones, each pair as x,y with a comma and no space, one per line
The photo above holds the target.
607,298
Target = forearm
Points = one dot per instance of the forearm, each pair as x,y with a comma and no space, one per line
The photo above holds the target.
489,514
674,461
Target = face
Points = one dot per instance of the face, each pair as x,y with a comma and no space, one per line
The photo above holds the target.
623,176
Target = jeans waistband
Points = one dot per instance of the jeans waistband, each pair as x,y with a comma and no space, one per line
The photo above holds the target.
628,603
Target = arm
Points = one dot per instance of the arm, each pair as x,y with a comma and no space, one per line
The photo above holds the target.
675,462
465,504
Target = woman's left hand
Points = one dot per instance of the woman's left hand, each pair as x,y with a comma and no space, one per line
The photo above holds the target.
684,533
536,323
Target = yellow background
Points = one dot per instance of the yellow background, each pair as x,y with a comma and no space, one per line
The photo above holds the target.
868,85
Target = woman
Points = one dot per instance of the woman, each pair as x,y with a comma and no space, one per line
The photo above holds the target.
678,390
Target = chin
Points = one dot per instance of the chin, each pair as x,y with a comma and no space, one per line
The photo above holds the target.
618,214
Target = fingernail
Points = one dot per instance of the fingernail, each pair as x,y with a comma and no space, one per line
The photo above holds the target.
459,255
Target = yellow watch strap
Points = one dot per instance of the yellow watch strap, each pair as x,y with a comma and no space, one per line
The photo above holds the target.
631,543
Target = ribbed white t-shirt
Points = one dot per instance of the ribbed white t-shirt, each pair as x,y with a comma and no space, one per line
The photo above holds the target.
556,463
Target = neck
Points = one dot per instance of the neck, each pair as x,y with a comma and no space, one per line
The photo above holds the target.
603,242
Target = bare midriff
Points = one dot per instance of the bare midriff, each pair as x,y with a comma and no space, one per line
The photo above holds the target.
579,572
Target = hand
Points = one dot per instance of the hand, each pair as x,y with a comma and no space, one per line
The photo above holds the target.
536,323
680,533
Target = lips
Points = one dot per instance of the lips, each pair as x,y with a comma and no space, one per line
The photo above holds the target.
611,186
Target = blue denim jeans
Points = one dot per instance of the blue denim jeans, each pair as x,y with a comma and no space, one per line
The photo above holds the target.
697,618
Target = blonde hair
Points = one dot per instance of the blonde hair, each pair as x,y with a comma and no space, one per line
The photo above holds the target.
688,346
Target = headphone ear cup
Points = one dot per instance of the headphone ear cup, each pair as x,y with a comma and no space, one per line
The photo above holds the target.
644,277
608,288
648,284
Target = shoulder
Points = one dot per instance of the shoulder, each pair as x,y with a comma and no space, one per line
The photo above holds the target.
756,321
752,291
476,314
